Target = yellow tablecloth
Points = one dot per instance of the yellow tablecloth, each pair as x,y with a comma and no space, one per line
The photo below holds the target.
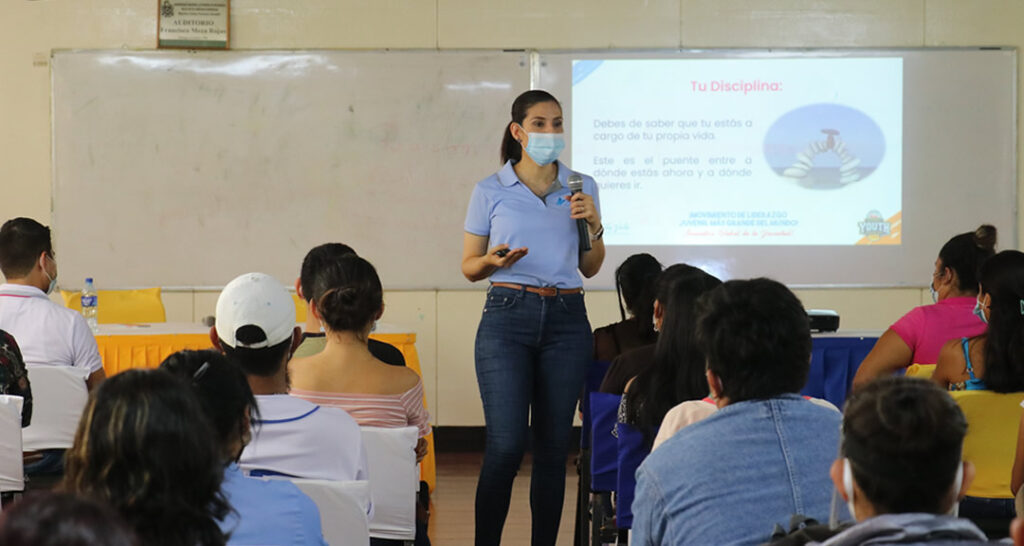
123,347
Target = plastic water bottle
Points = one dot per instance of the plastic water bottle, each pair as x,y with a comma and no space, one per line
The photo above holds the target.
89,305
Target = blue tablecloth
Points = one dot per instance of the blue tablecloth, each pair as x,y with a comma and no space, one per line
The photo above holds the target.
834,361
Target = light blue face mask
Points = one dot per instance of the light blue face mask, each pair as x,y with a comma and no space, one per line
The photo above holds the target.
53,283
935,293
979,311
544,148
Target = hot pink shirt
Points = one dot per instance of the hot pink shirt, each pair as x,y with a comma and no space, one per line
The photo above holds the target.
925,329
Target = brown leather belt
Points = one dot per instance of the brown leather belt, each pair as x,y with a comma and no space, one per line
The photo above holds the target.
546,291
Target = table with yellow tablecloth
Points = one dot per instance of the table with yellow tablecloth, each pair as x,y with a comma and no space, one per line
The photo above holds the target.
126,346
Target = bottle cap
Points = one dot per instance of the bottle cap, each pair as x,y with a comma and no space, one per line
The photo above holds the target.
88,280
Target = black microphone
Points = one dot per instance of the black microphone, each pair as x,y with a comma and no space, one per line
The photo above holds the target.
576,186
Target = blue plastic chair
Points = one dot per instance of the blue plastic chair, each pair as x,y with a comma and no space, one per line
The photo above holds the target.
604,409
595,375
633,449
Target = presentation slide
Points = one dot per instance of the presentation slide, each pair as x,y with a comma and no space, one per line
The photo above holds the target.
742,151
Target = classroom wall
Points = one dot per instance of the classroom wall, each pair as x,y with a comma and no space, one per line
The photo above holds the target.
445,321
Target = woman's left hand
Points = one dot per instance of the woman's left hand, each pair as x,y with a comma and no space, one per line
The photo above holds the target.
582,206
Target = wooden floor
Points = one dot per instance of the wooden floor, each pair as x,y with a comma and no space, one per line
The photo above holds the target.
451,520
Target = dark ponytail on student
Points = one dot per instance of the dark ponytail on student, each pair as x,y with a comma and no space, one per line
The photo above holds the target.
510,148
1002,278
348,293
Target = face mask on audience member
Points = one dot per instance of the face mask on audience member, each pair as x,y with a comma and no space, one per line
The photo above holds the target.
979,310
53,281
544,148
934,293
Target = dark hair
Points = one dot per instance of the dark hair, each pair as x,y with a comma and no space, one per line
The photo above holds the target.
263,362
635,282
677,373
316,258
348,293
22,240
222,390
965,253
756,338
145,447
62,519
903,438
1002,278
510,148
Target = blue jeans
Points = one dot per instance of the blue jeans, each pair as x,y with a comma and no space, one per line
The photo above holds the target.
531,356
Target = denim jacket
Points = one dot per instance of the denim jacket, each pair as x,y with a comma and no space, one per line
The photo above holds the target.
731,477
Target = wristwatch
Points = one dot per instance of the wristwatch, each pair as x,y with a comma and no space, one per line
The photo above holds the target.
596,236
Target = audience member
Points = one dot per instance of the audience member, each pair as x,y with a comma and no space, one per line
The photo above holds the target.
264,511
918,337
993,360
635,280
314,339
144,447
630,363
47,333
62,519
677,371
347,298
900,469
255,328
765,454
14,376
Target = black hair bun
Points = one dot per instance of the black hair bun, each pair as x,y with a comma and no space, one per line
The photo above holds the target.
985,237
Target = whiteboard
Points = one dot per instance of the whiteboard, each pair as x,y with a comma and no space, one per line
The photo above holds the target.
959,167
185,169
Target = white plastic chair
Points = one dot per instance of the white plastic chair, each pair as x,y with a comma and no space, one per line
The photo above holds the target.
59,395
391,456
12,475
343,508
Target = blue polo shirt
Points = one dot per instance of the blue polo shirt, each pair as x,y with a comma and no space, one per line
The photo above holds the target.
505,210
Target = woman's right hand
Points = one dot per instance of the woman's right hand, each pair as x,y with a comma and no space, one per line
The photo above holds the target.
478,261
498,258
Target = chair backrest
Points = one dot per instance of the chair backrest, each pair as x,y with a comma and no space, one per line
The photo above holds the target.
12,475
923,371
343,507
595,375
604,410
59,395
992,423
632,451
122,306
394,478
301,309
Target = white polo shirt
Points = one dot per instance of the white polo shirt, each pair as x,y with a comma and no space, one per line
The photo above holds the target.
300,439
47,333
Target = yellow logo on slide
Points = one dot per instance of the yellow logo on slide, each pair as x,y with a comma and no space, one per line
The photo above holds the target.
876,230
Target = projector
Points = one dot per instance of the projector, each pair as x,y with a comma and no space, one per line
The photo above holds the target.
823,320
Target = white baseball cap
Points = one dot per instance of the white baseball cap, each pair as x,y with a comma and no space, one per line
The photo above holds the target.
254,299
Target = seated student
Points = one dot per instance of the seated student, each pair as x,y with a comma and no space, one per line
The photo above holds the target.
900,469
143,447
62,519
347,297
677,371
47,333
765,454
629,364
635,281
255,328
918,336
314,339
993,360
264,511
14,376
